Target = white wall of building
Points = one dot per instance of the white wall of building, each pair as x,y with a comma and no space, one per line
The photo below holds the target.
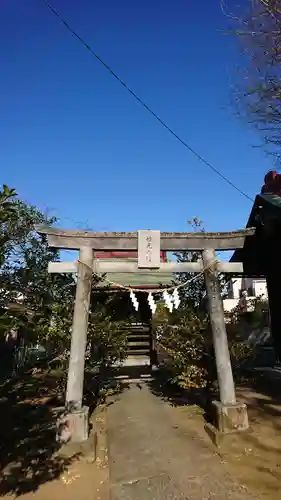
230,304
255,288
260,288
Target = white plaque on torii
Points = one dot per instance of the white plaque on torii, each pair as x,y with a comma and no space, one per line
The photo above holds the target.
148,249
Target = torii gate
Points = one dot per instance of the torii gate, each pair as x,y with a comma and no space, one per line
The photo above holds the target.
230,415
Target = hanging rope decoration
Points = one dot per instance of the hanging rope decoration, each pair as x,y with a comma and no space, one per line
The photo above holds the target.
168,300
176,298
171,300
155,290
151,303
134,300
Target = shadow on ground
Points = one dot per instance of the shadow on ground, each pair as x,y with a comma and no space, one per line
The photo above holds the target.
161,386
261,392
28,444
27,435
255,457
28,413
159,382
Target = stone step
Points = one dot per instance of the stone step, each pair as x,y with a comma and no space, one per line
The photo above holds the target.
142,343
139,352
138,335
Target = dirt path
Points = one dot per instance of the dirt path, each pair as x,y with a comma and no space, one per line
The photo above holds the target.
256,459
158,448
153,455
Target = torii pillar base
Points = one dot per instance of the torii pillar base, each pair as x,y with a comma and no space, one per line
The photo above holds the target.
73,426
227,420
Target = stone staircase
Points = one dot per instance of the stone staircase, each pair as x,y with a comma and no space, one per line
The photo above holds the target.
139,344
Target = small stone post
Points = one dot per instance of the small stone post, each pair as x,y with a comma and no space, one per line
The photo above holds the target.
230,415
75,424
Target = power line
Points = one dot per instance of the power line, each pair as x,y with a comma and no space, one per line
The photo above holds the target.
150,110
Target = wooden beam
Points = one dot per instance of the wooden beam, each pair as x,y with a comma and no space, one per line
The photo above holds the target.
60,238
101,267
63,267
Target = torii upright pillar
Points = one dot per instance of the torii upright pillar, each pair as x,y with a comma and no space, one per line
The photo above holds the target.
228,415
74,424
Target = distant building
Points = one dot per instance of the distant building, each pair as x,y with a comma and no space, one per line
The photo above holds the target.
242,291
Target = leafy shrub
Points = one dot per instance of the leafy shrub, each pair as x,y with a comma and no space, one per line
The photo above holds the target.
186,345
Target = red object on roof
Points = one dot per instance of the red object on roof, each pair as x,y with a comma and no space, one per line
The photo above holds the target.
272,183
125,255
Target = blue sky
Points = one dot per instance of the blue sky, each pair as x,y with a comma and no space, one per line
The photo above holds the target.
73,141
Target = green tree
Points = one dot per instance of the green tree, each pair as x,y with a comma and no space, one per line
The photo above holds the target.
25,280
39,305
7,213
7,199
186,344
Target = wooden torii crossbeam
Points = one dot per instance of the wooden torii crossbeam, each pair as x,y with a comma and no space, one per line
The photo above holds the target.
230,414
99,267
170,242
